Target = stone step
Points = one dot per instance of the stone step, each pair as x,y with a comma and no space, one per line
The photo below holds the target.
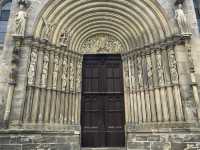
105,148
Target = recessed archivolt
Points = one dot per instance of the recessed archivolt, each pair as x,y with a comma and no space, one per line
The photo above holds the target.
134,23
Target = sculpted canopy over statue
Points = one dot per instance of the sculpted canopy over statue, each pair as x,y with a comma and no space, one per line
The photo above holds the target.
48,29
181,20
20,21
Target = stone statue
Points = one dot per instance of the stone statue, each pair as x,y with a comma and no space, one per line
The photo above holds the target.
149,71
64,75
71,78
20,21
45,71
79,66
160,69
181,20
55,72
31,71
48,29
173,67
139,69
65,38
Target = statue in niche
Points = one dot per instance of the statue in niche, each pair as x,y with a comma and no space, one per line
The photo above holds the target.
31,71
160,69
149,71
65,38
48,29
173,67
20,21
55,72
45,71
64,75
181,20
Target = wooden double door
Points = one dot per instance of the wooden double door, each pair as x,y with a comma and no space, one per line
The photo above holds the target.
102,108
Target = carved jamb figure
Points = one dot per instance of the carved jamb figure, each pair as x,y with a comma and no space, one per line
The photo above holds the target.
181,20
160,69
149,71
79,66
31,71
20,21
71,78
139,69
64,75
173,67
45,71
55,72
48,29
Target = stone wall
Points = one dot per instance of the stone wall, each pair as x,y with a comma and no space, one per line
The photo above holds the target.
164,139
38,141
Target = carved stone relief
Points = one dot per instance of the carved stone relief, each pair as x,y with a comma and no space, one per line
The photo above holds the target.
65,38
101,43
48,29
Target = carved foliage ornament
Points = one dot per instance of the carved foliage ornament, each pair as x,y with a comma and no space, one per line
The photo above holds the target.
101,43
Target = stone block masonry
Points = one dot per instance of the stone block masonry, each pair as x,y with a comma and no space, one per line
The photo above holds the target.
21,140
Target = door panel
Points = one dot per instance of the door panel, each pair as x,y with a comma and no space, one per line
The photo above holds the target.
102,111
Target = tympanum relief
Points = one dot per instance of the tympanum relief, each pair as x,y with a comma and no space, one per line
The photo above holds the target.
101,43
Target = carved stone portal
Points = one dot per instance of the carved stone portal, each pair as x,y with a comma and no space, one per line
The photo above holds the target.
101,43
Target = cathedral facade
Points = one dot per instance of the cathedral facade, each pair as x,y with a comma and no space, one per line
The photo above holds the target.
96,74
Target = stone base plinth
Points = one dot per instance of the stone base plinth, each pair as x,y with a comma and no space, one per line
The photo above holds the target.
30,140
171,138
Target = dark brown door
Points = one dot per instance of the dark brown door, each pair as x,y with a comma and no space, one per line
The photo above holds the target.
102,116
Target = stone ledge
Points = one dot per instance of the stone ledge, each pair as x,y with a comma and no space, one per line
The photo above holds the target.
43,129
164,127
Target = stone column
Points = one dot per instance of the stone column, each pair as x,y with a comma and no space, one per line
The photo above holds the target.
184,78
13,78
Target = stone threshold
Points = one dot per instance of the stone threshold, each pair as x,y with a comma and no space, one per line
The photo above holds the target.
105,148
